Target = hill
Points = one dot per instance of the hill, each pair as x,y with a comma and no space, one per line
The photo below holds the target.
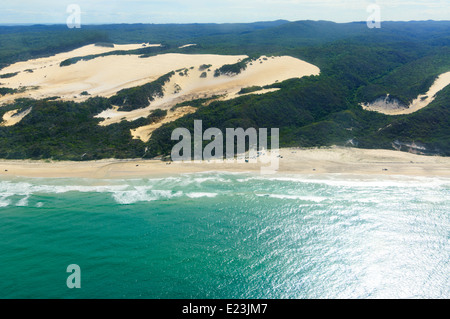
358,65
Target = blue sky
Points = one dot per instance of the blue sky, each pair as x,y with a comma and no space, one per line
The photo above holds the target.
218,11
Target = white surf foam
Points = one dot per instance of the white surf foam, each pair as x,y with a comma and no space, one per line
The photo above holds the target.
199,195
316,199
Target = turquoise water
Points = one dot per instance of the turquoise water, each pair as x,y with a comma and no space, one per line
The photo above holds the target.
218,235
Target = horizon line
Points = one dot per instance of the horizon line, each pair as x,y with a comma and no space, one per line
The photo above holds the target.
205,23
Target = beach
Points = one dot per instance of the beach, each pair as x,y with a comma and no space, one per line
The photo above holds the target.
334,160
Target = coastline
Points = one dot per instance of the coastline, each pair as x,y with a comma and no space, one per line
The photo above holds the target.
317,161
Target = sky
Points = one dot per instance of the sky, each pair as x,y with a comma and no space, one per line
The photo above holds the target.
218,11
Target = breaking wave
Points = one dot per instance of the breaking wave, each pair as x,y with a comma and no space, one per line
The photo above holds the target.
214,186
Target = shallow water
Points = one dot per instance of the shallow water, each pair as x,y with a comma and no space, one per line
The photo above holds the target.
221,235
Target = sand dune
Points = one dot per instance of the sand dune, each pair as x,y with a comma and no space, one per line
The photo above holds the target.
82,51
105,76
264,71
13,117
185,87
394,108
49,79
144,133
10,118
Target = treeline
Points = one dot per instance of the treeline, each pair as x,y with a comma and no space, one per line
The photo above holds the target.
232,69
141,96
23,43
4,91
142,52
8,75
250,89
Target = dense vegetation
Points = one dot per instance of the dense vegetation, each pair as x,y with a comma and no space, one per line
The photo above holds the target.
21,43
406,82
8,75
196,103
250,89
141,96
143,52
68,130
232,69
4,91
357,65
204,67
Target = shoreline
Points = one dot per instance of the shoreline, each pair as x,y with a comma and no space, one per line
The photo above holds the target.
317,161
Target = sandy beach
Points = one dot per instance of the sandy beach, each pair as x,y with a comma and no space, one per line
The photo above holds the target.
335,160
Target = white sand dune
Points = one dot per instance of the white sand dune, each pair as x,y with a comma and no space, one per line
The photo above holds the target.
423,100
49,79
11,118
105,76
144,133
82,51
193,86
394,108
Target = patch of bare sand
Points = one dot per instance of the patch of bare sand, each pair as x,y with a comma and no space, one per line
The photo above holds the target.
187,46
11,118
263,91
144,133
394,108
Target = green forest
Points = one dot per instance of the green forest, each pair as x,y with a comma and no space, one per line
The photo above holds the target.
357,65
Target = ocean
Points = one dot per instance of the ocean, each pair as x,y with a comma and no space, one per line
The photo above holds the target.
223,235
